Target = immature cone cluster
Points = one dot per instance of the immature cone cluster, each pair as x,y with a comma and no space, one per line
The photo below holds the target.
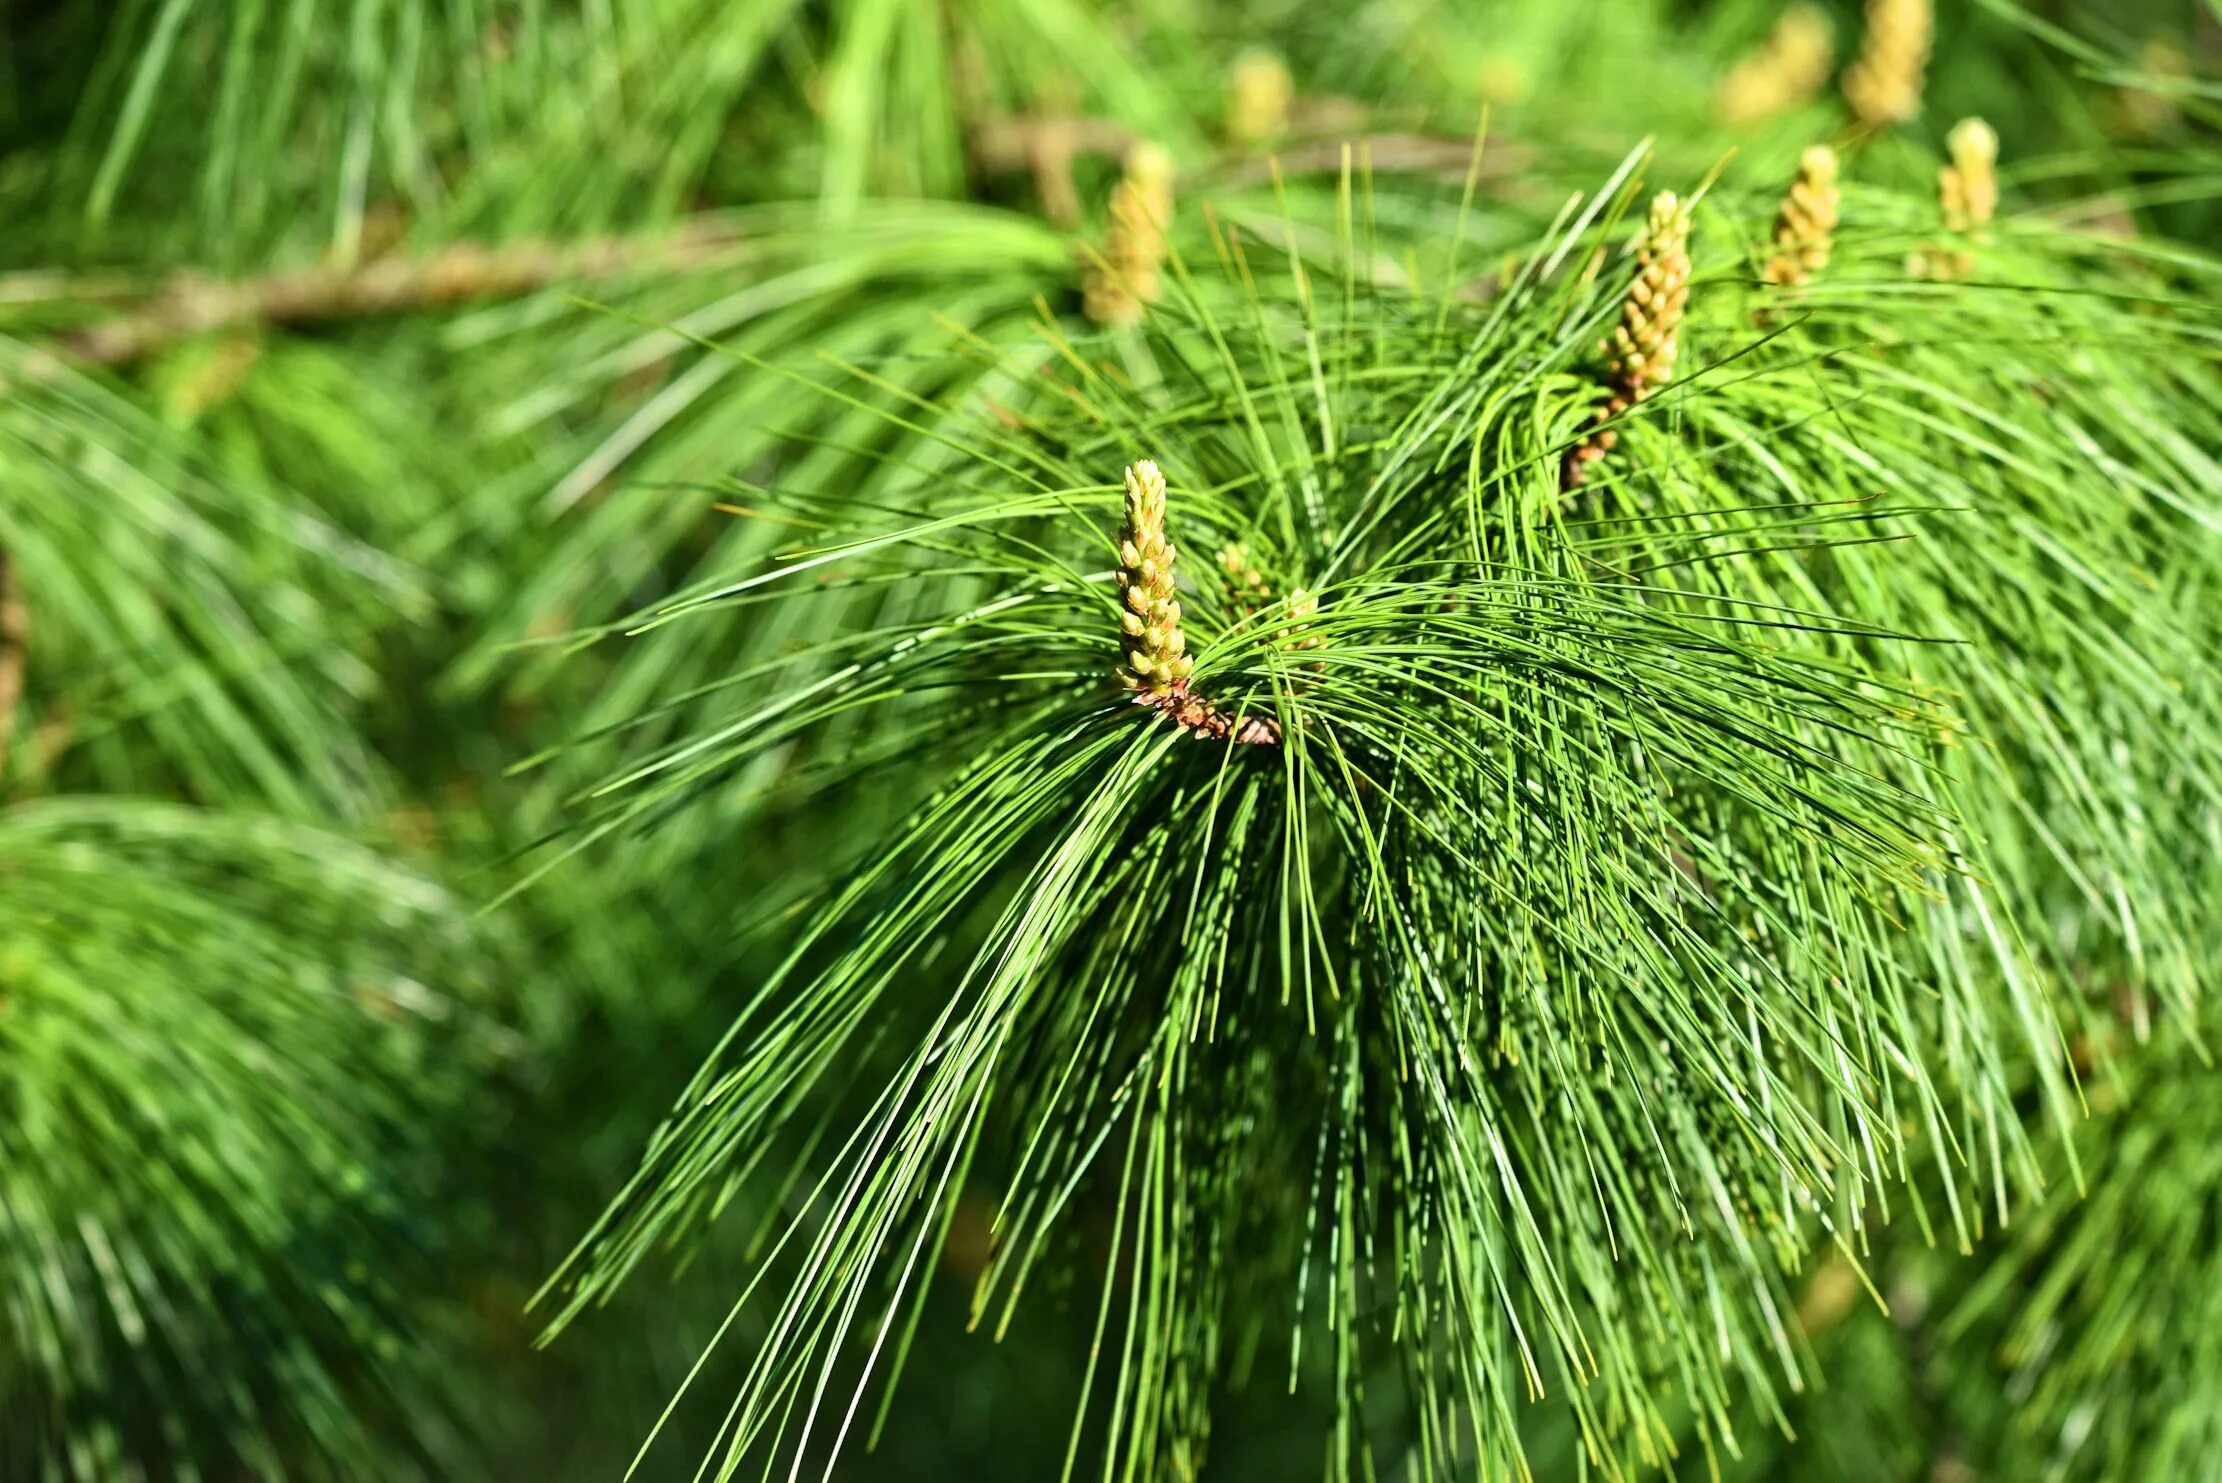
1259,91
1967,189
1649,335
1644,344
1501,81
2141,112
1245,579
1884,84
1252,592
1785,70
1969,185
1805,224
1303,607
1134,246
1156,659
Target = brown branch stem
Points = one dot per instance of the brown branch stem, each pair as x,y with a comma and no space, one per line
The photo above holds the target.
15,639
191,303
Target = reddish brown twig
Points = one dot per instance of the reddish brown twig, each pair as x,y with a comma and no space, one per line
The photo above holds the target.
1206,721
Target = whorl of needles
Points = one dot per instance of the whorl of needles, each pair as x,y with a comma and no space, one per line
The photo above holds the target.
1126,277
1805,224
1884,84
1259,91
1786,69
1156,660
1643,347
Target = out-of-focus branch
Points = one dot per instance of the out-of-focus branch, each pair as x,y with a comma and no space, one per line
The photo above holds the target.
190,303
1044,146
1400,154
15,637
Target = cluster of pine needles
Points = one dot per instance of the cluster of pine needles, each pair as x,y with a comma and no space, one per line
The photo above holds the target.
1457,842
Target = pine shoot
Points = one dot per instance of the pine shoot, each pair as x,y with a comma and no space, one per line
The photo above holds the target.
1126,277
1259,91
1884,84
1157,662
1967,191
1968,187
1805,224
1646,342
1785,70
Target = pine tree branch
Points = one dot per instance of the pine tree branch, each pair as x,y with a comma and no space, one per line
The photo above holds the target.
191,303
